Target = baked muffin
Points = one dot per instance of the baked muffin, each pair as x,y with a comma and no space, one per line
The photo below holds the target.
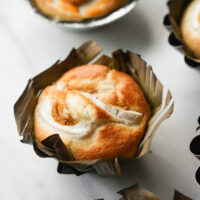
77,10
190,27
99,113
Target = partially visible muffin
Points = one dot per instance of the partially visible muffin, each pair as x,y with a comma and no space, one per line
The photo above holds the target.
98,112
77,10
190,27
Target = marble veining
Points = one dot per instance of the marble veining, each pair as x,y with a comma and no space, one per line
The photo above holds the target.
30,44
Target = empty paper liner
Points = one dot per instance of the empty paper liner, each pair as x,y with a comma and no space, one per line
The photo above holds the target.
89,23
172,23
158,96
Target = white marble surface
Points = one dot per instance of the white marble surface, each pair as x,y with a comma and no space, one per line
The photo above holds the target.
30,44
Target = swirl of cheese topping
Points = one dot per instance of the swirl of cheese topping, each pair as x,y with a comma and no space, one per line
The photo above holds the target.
82,116
78,130
118,114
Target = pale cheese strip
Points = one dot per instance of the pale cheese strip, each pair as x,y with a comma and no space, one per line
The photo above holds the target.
117,114
84,126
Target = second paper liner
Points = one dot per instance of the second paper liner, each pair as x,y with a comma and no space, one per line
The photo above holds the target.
159,98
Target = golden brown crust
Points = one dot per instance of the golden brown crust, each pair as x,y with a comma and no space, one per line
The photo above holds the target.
103,7
108,138
71,10
77,2
113,140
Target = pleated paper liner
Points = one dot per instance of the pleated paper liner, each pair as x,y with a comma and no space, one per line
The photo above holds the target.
137,192
158,96
195,149
172,23
89,23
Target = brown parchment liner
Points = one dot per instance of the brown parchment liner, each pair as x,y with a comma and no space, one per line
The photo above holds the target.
38,10
52,146
137,192
176,10
180,196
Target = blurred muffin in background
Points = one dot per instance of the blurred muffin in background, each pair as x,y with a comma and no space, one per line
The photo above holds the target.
77,10
190,27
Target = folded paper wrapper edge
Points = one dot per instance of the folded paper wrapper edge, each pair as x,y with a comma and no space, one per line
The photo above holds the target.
136,192
53,146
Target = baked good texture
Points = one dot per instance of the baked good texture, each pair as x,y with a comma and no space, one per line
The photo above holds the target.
99,113
190,27
77,10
